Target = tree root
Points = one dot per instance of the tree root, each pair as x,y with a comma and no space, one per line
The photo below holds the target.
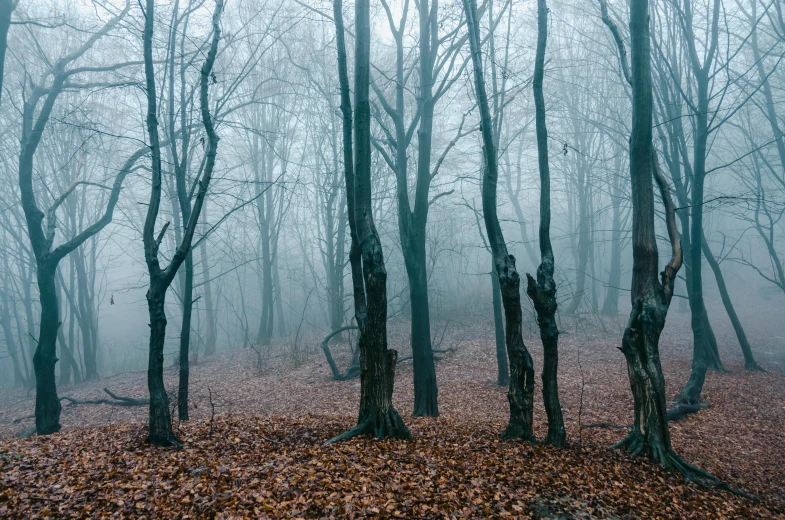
682,410
169,441
435,351
380,425
117,400
635,444
752,366
514,431
674,414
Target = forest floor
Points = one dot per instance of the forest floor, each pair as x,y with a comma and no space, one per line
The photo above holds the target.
263,454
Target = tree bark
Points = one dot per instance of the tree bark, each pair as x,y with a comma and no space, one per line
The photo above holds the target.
160,427
211,335
47,403
6,8
543,291
521,389
610,306
503,368
377,415
749,359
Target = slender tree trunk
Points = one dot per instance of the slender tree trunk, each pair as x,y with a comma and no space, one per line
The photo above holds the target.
85,314
185,339
425,389
266,321
749,359
65,367
278,299
377,415
650,298
160,419
8,334
503,369
47,403
6,8
355,254
160,427
584,239
691,392
543,291
521,389
211,335
610,306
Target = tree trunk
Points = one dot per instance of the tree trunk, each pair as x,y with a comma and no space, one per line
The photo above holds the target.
211,335
8,334
543,291
377,415
160,425
160,419
425,389
610,306
6,8
749,359
691,392
86,317
47,403
278,299
521,389
650,299
584,239
185,339
503,369
65,367
266,321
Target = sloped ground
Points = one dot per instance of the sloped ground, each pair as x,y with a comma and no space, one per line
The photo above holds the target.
264,453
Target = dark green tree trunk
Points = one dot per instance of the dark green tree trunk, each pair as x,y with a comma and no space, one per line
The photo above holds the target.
377,416
8,333
210,317
160,426
749,359
543,291
521,389
503,368
47,403
610,306
185,339
425,389
6,8
160,419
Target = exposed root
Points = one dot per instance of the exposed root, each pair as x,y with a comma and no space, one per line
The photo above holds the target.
380,425
752,366
636,445
168,441
514,431
608,425
633,443
682,410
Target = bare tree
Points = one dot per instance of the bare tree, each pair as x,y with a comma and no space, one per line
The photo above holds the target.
160,424
377,415
521,389
543,291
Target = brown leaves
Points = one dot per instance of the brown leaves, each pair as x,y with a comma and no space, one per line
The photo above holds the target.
280,467
266,456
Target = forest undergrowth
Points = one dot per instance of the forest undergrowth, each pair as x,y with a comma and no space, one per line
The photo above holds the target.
256,444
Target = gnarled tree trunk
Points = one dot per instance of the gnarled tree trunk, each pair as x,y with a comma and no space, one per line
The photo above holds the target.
543,291
377,415
521,389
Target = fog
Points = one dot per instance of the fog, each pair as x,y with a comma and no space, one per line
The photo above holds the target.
175,196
